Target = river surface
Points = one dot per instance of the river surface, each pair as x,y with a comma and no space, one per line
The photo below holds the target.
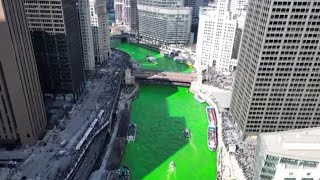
161,114
139,54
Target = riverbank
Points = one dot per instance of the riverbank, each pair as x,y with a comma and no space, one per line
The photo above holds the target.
161,114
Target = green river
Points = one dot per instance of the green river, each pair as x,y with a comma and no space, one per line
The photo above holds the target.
139,54
161,114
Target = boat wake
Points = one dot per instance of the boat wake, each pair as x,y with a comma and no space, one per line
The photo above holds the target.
171,173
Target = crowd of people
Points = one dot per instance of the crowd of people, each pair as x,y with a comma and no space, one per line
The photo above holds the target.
245,150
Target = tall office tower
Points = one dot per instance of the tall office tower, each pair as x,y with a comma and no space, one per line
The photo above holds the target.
118,9
164,22
238,35
277,86
55,31
195,4
100,29
238,7
216,38
86,33
130,16
22,113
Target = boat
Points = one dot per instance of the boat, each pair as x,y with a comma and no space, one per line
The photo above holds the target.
212,137
199,98
123,173
187,133
211,115
172,165
151,59
132,131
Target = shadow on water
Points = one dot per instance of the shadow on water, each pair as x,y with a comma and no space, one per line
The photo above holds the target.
159,136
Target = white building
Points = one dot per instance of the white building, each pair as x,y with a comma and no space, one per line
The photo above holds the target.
86,33
238,7
215,37
288,155
164,22
100,29
276,85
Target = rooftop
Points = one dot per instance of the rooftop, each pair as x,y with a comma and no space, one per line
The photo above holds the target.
302,144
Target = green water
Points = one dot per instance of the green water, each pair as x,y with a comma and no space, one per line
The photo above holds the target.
139,54
161,114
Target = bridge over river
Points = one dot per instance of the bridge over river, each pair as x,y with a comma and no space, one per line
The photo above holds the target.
172,77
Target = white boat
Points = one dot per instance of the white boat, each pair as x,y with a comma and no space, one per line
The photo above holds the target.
199,98
172,165
151,59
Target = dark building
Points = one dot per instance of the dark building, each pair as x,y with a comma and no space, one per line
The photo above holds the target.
56,36
22,114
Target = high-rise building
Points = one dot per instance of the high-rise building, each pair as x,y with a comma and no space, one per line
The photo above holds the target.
293,154
100,29
56,36
118,9
130,16
216,37
86,33
238,7
238,35
164,22
276,85
195,4
22,114
127,15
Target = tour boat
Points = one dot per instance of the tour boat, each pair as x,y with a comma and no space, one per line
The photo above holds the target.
132,131
187,133
212,137
199,98
211,114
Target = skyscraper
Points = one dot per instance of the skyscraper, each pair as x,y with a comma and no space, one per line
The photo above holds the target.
216,37
100,29
164,22
86,34
130,18
195,4
22,113
277,85
56,36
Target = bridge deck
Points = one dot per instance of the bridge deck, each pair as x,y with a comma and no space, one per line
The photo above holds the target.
165,76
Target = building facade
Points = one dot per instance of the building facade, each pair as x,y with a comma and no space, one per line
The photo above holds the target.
100,30
291,155
118,9
164,22
22,114
195,5
238,36
216,38
238,7
86,34
276,85
130,16
56,36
